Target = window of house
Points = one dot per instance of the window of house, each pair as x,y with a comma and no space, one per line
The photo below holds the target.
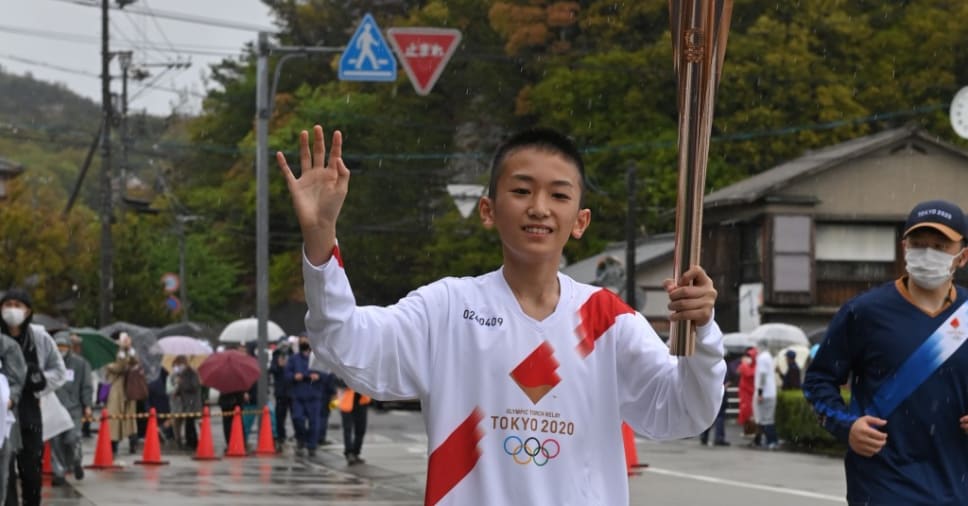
792,254
855,243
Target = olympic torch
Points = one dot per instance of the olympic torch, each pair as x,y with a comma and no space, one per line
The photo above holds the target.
699,32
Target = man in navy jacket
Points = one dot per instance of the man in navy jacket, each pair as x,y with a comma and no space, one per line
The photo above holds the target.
306,392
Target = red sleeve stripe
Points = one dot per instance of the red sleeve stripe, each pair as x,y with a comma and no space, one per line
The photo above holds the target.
339,258
596,316
454,458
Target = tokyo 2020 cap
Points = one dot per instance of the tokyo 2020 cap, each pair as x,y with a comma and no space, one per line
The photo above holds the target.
940,215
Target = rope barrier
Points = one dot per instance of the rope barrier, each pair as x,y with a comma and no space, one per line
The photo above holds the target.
135,416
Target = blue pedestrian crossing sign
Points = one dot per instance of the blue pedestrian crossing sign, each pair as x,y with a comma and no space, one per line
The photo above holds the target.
368,57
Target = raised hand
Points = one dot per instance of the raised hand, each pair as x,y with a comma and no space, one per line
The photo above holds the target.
694,298
318,193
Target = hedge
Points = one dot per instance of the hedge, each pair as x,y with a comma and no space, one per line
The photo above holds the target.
796,423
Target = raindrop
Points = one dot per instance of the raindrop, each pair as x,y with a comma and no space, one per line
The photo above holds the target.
931,432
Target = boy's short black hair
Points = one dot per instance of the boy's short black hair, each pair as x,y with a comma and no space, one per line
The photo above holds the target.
544,139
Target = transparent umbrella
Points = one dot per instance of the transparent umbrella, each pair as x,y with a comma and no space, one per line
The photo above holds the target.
777,336
246,331
142,338
737,342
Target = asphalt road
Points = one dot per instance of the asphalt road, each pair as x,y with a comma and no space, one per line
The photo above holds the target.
678,473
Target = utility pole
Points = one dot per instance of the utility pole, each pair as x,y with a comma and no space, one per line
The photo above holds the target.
262,114
124,58
630,238
107,244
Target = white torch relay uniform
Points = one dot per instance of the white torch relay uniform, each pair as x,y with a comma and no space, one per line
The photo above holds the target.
517,411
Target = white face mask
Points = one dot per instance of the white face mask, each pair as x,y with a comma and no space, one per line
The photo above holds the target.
177,369
928,267
13,316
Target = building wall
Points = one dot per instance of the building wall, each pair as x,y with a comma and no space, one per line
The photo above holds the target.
886,184
655,307
878,188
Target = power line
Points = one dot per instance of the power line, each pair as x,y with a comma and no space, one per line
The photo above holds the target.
90,39
49,34
154,20
178,16
87,73
50,66
141,36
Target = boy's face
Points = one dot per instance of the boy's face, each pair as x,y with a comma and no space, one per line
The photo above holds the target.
536,205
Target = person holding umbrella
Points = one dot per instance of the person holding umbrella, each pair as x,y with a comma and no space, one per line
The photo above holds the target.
119,406
184,390
232,372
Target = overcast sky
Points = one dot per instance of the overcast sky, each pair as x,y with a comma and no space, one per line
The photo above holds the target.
65,37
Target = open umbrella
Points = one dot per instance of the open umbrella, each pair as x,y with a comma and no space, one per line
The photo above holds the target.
247,330
187,329
193,360
737,342
195,350
181,345
142,338
49,323
777,336
229,371
96,348
802,353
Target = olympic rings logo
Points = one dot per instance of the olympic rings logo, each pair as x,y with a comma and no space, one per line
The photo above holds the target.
531,450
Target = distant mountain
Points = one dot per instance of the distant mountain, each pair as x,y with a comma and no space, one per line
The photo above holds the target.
26,102
48,129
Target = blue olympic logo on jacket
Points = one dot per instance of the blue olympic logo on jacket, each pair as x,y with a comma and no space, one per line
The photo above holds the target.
531,450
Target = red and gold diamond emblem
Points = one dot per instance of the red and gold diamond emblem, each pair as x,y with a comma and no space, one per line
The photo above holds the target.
536,374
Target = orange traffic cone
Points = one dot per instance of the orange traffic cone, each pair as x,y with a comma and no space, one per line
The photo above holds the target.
152,452
631,453
103,456
236,438
205,449
266,444
47,467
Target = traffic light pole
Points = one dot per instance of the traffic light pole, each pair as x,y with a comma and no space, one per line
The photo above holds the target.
263,111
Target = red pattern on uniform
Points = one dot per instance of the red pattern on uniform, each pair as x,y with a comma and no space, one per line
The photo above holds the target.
454,458
339,258
596,316
539,368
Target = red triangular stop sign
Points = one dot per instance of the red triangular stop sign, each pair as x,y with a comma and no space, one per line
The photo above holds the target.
424,52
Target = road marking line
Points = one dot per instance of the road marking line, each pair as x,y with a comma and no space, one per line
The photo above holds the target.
768,488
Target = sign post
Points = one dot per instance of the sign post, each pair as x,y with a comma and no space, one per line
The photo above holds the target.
424,52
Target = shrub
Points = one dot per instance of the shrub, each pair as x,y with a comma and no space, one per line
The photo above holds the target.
796,423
